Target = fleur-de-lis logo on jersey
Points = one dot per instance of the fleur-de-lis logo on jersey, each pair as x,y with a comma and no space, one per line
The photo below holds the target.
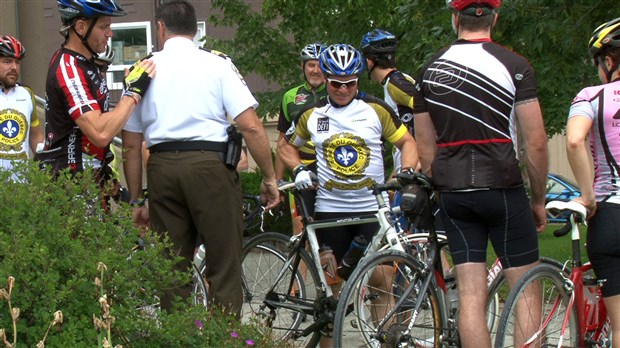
13,130
346,153
9,129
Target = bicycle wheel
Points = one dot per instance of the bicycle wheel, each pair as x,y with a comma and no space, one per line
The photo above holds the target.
377,284
544,329
499,290
200,294
285,313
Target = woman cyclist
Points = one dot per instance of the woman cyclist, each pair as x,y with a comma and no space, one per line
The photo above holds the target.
594,114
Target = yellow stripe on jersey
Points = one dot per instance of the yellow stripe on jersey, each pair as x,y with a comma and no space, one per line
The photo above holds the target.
392,130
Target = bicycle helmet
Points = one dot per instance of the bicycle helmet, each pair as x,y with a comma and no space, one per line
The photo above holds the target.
107,56
460,5
378,41
606,35
11,47
72,9
311,51
341,59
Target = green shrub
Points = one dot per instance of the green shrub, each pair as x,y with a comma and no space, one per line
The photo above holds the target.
52,239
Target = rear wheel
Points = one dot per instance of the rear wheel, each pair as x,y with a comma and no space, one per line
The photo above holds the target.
286,313
522,317
375,286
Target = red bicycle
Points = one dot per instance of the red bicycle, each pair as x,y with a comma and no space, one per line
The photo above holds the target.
572,312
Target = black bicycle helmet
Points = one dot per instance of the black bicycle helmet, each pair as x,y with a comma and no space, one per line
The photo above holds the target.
607,34
72,9
378,41
11,47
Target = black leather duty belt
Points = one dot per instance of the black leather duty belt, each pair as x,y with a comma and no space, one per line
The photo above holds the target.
179,146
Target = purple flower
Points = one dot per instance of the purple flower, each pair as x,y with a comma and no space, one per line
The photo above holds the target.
198,324
249,342
234,334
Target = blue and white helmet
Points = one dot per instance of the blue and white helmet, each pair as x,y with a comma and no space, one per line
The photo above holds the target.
341,60
311,51
71,9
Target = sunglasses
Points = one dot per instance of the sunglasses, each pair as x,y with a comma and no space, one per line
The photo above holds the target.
339,84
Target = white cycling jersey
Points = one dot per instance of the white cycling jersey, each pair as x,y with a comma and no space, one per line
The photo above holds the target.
348,144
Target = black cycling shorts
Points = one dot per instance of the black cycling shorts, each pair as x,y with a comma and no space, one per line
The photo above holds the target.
502,215
603,246
339,238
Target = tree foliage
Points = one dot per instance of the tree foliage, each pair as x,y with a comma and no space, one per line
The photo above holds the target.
552,34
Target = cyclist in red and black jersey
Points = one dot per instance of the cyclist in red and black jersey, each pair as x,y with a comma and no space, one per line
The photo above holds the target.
79,128
468,101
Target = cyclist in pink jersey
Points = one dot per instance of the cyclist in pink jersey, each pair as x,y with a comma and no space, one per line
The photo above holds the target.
594,123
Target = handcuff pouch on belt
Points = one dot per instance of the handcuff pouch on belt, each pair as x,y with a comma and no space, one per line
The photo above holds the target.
233,148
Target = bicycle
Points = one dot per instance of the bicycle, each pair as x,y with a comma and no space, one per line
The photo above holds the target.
294,306
424,309
573,313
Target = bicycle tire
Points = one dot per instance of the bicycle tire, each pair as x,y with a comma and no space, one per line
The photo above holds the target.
263,257
353,322
555,299
498,294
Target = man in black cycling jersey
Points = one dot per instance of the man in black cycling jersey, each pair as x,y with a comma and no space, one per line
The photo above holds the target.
469,99
79,127
293,102
379,49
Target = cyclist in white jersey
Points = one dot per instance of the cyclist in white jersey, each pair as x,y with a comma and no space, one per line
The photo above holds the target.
20,129
347,129
594,124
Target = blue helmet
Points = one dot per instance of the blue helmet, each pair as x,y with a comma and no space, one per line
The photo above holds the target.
311,51
378,41
341,60
71,9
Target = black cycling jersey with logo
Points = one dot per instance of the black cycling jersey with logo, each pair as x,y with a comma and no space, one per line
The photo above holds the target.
470,90
399,89
73,88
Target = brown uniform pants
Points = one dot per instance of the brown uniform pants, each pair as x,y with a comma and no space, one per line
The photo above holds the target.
193,194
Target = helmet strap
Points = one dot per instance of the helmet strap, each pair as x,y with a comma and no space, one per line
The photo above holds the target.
608,72
84,38
374,65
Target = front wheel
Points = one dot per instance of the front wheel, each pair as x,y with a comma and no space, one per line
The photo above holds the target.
266,279
371,292
535,312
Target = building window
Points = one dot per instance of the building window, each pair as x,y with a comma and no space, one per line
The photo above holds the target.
131,41
200,33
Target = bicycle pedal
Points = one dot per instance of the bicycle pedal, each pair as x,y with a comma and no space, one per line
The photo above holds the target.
354,324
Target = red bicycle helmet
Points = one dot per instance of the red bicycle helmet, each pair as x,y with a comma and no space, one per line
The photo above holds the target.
460,5
11,47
